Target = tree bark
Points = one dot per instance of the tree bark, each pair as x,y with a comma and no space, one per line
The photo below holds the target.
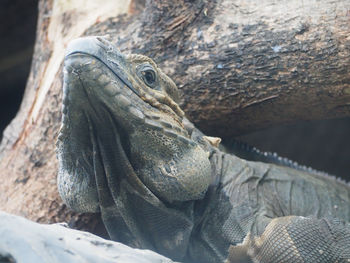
241,66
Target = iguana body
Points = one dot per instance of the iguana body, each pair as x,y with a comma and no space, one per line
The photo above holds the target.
126,150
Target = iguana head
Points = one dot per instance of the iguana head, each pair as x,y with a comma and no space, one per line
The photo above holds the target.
125,109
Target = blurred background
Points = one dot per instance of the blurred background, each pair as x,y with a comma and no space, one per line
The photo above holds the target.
323,145
17,36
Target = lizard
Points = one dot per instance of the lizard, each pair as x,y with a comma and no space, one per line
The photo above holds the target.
126,150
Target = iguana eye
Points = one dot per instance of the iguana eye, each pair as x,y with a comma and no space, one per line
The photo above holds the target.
149,77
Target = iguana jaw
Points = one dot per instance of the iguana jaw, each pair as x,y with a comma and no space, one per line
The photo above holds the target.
101,92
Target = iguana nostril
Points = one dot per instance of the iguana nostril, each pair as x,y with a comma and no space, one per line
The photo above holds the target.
64,109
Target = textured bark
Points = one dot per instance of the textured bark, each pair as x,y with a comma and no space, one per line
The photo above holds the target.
245,65
241,65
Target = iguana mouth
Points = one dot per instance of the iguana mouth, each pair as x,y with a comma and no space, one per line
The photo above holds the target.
119,95
100,50
110,71
122,80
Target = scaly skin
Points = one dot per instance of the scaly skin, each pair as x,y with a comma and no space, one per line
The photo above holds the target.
126,150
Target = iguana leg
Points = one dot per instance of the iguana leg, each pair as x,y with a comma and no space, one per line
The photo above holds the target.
296,239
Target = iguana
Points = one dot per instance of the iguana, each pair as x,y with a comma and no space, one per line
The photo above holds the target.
126,150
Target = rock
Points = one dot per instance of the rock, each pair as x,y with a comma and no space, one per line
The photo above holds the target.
22,240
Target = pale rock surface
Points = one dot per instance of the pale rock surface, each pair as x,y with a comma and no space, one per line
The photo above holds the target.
24,241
